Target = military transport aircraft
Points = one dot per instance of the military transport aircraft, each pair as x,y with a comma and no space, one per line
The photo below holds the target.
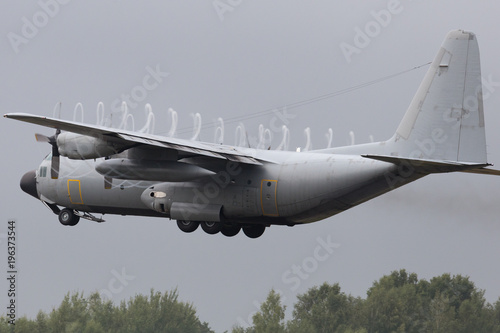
226,189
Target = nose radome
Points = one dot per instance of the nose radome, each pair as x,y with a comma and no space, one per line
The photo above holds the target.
28,183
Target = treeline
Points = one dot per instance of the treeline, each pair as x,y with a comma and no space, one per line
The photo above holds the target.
398,302
77,314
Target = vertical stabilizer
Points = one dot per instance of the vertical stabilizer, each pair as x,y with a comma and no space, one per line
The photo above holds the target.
445,120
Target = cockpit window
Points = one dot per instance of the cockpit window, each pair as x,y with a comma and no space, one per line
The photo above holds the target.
48,157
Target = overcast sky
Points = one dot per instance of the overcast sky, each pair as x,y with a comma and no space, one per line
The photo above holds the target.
231,59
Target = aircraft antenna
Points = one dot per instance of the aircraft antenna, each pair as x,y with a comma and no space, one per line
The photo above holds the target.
315,99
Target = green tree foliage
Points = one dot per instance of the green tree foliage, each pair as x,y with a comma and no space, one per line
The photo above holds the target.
398,302
325,309
271,317
158,313
393,304
154,313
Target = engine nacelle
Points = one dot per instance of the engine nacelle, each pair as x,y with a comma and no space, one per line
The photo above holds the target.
170,171
82,147
160,198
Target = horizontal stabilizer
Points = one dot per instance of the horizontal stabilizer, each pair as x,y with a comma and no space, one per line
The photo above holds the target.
484,171
431,166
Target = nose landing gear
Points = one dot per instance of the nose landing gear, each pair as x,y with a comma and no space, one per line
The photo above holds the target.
68,217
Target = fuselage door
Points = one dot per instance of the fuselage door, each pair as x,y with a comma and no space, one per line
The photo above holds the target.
75,192
268,197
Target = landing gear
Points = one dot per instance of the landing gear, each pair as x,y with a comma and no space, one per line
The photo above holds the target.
211,228
230,230
67,217
254,231
187,226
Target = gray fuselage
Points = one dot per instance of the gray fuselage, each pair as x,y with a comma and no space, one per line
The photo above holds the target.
297,188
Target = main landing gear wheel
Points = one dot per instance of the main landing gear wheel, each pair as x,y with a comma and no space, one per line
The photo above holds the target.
187,226
230,231
254,231
211,228
67,217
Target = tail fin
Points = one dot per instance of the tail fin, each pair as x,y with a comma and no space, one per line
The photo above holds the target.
445,120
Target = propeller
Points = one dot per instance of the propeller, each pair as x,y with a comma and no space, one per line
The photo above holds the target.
52,140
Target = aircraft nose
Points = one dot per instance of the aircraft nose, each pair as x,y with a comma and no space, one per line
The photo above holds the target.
28,183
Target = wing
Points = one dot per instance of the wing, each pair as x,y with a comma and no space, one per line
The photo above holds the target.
186,148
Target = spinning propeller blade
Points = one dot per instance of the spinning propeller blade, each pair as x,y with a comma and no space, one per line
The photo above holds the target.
42,138
52,140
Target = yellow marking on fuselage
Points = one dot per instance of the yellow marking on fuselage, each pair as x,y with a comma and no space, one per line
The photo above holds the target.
275,197
79,192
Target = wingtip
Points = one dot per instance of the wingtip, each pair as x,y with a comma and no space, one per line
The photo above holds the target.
19,115
10,115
